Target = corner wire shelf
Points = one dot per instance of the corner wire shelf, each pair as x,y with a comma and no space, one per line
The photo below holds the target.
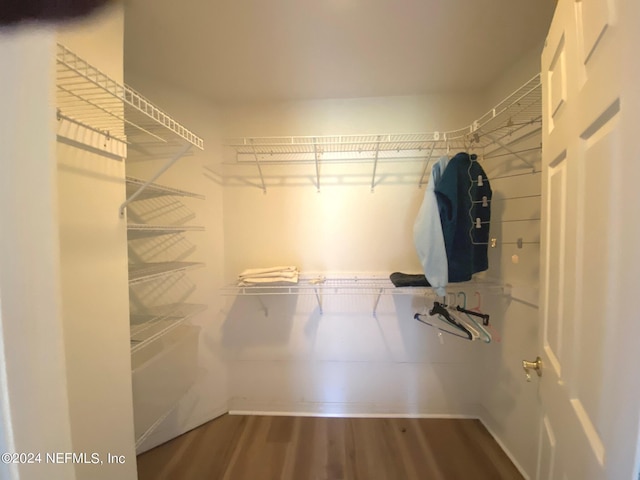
156,190
88,97
138,230
148,326
145,272
372,285
513,118
92,98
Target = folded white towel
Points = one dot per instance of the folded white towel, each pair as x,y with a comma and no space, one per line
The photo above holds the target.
250,272
270,275
275,280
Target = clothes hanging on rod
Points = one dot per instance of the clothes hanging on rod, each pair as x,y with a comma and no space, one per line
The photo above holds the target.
463,183
427,233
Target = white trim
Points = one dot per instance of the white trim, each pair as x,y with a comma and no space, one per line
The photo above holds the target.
6,427
349,415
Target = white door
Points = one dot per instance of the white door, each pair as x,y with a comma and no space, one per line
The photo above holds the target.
590,292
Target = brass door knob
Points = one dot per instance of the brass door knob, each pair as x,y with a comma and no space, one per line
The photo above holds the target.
528,366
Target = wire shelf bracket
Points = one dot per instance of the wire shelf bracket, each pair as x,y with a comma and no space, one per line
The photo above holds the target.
316,156
426,165
375,165
144,186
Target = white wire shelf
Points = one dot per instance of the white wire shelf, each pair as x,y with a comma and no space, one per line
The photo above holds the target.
155,190
351,285
375,286
156,322
514,118
144,272
522,107
89,97
139,230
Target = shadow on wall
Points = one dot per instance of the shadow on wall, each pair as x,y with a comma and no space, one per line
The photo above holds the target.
496,231
259,321
500,386
456,375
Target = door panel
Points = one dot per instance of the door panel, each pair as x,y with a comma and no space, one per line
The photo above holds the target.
593,19
589,149
552,317
593,273
557,81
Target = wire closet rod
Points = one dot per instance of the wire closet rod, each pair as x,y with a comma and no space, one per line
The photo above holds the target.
515,175
509,221
518,243
488,157
507,198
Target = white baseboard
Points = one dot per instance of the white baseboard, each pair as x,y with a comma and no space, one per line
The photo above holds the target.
239,406
281,413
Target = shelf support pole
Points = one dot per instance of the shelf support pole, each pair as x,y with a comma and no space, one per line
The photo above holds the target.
315,153
255,156
319,299
426,165
143,187
264,308
375,305
375,165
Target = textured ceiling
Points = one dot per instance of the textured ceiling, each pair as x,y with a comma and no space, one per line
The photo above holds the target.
269,50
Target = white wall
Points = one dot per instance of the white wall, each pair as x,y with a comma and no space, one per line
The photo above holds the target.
34,405
195,173
94,274
402,114
345,360
297,225
509,404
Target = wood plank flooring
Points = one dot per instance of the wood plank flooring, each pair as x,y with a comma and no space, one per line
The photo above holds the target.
312,448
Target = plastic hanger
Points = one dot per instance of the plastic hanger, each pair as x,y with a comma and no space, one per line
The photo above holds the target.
439,309
442,327
483,316
471,324
495,336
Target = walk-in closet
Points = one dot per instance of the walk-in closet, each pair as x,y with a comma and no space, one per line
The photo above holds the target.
336,240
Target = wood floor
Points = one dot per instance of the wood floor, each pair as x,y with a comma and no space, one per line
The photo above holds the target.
309,448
